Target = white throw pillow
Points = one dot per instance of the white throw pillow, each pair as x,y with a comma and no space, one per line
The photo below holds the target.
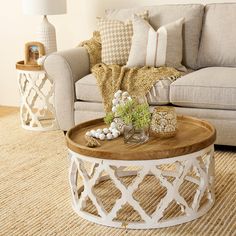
163,47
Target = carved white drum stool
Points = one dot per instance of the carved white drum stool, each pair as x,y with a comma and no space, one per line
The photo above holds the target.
36,90
161,183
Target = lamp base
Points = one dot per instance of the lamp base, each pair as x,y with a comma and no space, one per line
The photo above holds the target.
46,34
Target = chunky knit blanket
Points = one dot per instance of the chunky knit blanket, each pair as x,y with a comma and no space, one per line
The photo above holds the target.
110,78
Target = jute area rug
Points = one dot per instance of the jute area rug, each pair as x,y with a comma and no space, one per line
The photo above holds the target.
35,197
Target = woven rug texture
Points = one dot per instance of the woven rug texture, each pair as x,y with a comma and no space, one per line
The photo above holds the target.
35,197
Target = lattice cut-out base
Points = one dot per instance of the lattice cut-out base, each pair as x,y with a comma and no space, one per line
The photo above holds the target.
37,109
171,196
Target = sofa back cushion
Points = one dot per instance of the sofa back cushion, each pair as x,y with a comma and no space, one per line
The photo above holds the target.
164,14
217,46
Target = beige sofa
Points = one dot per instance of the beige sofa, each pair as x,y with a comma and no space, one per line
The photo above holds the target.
208,92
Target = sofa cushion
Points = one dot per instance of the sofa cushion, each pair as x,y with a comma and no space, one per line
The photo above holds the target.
164,14
87,90
217,47
116,39
213,87
163,47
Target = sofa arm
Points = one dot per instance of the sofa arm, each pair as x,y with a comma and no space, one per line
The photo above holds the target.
65,68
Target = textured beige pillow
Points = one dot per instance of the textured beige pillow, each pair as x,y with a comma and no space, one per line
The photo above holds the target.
116,37
218,40
163,47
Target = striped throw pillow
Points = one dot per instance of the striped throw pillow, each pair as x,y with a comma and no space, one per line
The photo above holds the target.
116,37
163,47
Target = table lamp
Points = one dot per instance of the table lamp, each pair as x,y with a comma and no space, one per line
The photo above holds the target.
46,33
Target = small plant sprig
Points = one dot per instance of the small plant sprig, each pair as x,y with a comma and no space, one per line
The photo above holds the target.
109,118
141,116
136,114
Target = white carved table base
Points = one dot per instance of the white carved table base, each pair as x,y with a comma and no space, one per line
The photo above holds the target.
37,110
202,162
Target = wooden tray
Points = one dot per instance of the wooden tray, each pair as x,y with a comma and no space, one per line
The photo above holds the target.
193,135
20,65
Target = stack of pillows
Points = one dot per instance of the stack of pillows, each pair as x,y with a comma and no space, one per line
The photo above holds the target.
135,43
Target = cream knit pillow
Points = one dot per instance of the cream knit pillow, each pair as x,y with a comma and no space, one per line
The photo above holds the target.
163,47
116,37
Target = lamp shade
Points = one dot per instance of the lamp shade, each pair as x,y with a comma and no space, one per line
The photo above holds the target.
44,7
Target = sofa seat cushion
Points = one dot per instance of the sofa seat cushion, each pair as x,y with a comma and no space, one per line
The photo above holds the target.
87,90
213,87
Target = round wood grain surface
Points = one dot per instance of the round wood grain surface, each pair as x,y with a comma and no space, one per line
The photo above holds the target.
193,135
20,65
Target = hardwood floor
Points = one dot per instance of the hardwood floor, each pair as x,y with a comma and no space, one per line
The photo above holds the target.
4,111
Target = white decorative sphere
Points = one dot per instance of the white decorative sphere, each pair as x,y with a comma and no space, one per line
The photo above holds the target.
93,132
109,136
110,129
105,130
97,135
118,94
88,134
125,94
115,102
114,130
113,125
115,134
102,136
113,109
99,131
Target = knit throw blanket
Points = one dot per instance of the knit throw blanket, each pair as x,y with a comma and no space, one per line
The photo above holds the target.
110,78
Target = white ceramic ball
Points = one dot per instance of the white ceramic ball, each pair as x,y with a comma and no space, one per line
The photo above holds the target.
115,135
109,136
93,132
114,130
99,131
88,134
113,125
115,102
102,136
116,95
97,135
105,130
125,94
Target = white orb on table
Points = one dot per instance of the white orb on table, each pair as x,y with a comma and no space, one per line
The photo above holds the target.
115,134
109,136
99,131
125,94
113,125
93,132
88,134
105,130
115,102
102,136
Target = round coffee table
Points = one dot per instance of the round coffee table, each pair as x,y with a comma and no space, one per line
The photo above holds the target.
181,166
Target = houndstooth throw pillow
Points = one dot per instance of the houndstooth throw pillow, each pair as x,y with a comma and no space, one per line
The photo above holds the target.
116,37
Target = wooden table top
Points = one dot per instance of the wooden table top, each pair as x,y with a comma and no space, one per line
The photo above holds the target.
193,135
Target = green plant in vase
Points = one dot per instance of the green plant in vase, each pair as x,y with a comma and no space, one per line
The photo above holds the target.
135,114
137,118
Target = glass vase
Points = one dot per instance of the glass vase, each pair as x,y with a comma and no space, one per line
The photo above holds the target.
133,135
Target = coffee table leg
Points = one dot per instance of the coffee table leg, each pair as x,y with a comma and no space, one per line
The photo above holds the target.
201,162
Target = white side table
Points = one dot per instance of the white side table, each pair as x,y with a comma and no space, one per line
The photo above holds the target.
36,89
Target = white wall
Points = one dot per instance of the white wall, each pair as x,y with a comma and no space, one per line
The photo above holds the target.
17,29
